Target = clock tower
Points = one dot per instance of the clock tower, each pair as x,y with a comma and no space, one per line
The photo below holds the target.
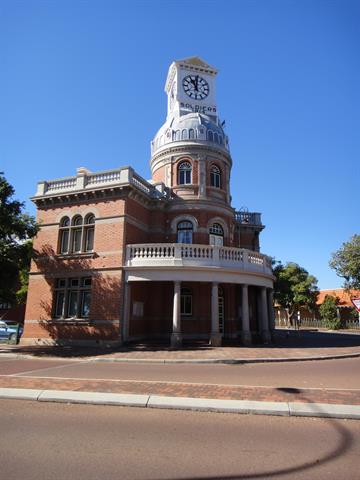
190,86
190,152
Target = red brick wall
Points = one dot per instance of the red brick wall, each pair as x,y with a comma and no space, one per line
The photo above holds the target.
103,265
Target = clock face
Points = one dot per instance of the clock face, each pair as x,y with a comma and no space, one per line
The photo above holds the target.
195,87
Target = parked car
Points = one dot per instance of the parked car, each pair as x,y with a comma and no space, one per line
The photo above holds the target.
10,330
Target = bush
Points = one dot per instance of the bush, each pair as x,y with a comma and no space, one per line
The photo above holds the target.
328,313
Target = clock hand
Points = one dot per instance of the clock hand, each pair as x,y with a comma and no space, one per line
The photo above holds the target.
193,82
196,82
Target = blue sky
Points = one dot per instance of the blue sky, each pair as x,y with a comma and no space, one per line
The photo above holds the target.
82,83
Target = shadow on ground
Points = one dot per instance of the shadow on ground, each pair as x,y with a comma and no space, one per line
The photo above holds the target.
284,339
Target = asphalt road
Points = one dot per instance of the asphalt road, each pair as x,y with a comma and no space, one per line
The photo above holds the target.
342,374
63,442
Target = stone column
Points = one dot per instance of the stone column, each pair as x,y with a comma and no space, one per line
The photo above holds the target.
271,312
245,330
264,316
176,337
215,339
126,312
202,176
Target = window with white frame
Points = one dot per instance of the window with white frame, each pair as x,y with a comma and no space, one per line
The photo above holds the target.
72,297
186,302
184,173
216,234
184,232
215,176
77,236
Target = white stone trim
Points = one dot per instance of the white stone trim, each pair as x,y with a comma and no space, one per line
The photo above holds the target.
193,274
221,222
182,218
79,211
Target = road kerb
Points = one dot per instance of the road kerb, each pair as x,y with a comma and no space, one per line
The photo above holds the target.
97,398
216,405
324,410
20,393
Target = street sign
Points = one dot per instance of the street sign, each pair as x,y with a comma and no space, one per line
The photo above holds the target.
356,303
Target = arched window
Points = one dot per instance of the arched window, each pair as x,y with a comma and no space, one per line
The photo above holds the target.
216,234
210,136
191,133
216,138
89,231
78,236
184,232
215,176
184,173
184,135
177,135
220,139
64,235
186,302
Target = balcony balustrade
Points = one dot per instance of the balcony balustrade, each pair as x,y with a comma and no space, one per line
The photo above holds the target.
86,180
192,255
248,218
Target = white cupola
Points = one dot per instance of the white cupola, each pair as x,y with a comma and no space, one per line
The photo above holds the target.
192,112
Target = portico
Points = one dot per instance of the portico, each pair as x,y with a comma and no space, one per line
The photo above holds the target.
180,265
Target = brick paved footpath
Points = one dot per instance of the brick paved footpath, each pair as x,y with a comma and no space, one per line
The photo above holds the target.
223,392
305,345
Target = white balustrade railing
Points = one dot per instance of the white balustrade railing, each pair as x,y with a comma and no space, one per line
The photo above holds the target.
182,254
106,177
86,180
141,184
63,184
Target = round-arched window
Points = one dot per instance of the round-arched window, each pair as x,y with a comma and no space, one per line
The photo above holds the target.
216,234
216,229
77,220
215,176
65,222
64,235
184,173
90,219
184,232
77,236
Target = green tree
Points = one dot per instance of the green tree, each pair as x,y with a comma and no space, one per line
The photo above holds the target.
346,262
329,312
294,288
16,228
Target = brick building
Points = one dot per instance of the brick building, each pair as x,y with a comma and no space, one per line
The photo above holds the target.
120,258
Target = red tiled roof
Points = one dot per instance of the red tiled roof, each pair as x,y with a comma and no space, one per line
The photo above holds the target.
343,296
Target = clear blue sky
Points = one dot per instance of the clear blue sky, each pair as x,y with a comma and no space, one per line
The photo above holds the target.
81,84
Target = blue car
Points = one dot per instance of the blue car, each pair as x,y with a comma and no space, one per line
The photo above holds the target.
10,331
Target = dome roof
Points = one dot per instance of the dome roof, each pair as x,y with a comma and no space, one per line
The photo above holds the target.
189,128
